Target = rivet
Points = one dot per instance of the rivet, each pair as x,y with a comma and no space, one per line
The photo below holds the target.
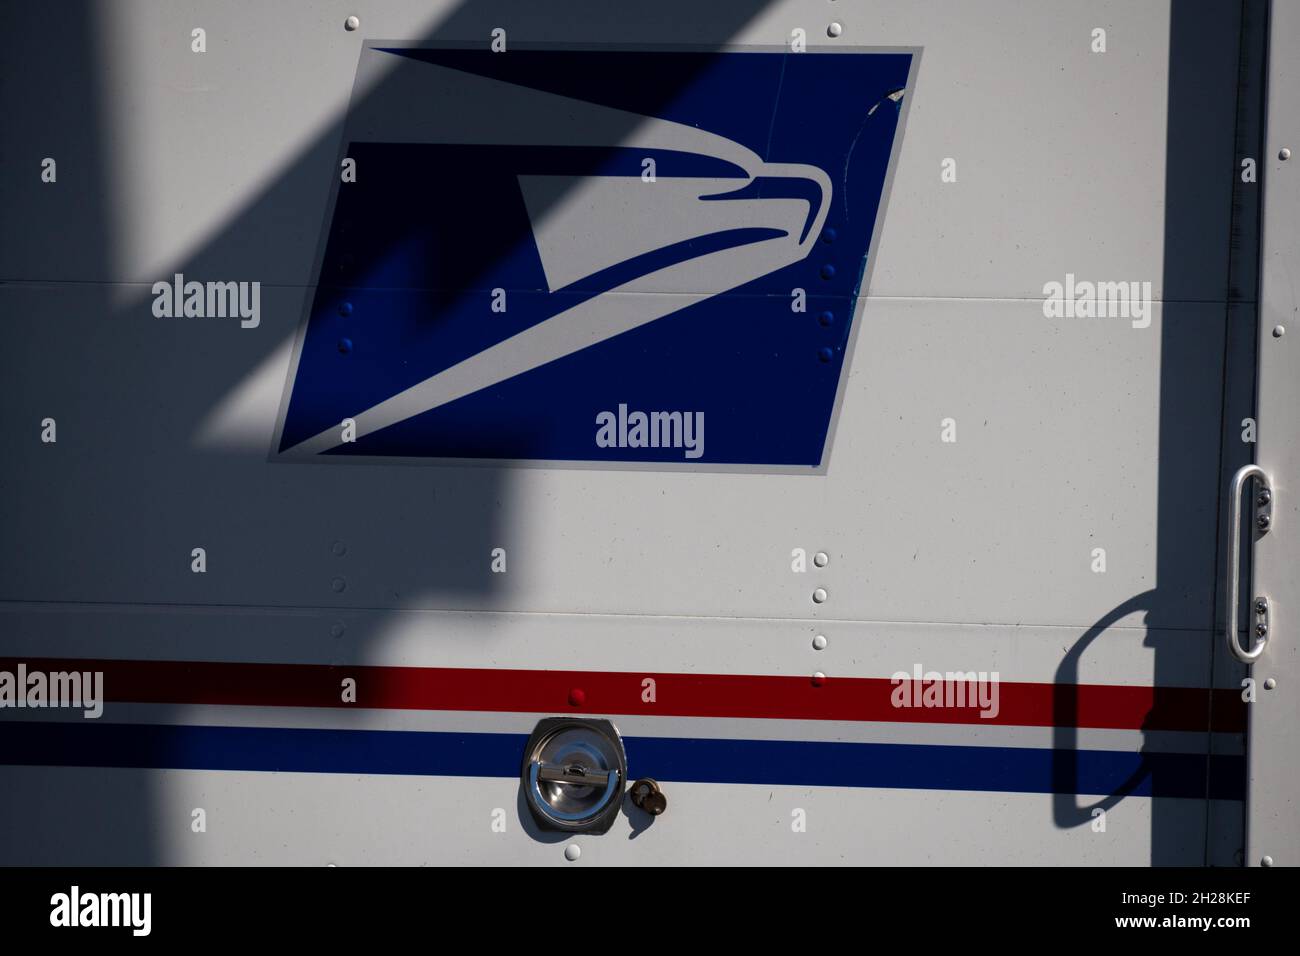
577,697
339,549
821,559
829,234
1263,498
1261,605
1266,861
818,679
1263,522
834,30
819,596
572,852
345,308
337,585
828,271
826,319
819,642
1284,153
345,346
1270,684
351,23
337,629
825,354
1279,331
1261,630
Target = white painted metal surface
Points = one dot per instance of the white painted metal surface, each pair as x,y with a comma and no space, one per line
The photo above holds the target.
1274,794
975,555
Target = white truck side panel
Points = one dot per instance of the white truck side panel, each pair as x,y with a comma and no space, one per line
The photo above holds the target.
975,555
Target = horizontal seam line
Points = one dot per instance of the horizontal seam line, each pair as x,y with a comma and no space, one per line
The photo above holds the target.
345,609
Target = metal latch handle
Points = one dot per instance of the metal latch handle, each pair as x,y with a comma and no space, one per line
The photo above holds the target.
573,776
1263,520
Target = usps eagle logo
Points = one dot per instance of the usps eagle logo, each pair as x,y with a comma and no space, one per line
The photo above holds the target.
643,257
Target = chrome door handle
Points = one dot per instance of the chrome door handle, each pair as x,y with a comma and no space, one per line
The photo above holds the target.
605,784
573,774
1263,510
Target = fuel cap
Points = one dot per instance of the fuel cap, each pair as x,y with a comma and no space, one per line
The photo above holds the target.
573,774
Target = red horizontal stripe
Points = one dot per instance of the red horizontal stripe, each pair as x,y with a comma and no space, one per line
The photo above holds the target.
678,695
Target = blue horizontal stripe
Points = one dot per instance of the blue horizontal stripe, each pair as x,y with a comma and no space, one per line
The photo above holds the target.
764,762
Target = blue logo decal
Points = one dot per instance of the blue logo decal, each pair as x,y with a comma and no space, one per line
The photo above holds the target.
594,256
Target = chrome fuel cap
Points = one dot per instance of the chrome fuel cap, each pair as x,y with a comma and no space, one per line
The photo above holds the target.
573,774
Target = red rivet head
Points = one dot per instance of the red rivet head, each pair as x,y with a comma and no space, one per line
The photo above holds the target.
576,697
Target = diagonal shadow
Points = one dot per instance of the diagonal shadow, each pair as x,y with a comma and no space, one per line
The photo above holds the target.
119,824
43,820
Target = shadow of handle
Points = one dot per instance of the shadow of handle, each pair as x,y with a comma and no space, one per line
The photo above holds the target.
1066,810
